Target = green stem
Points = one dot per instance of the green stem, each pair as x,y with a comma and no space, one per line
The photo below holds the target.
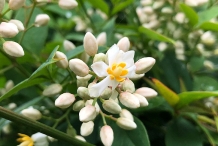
103,118
110,117
7,114
206,119
94,101
5,12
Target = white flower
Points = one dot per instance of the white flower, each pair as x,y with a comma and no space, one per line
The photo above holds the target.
120,66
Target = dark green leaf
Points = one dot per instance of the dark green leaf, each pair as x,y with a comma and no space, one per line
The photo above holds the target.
120,6
196,63
100,4
190,14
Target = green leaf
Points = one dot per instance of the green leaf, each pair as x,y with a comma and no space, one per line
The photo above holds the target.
154,35
188,97
100,4
75,37
196,63
190,14
76,51
171,97
181,132
209,26
120,6
136,137
24,84
207,15
205,83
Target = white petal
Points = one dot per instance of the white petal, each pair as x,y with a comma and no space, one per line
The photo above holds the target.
40,139
131,71
97,89
128,58
112,54
113,84
100,68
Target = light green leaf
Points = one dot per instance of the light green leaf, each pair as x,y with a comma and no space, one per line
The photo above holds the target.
189,97
207,15
75,37
100,4
154,35
209,26
120,6
190,14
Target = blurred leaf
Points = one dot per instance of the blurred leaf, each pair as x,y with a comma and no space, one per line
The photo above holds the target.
188,97
75,36
154,35
171,97
190,14
196,63
24,84
207,14
136,137
100,4
181,132
209,26
56,9
120,6
205,83
76,51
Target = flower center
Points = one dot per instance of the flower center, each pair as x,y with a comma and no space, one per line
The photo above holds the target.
117,71
25,139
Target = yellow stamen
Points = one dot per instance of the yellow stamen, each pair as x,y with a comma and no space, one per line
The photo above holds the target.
25,138
117,71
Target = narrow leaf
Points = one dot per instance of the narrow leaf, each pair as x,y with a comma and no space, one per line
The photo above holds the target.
120,6
209,26
100,4
207,15
190,14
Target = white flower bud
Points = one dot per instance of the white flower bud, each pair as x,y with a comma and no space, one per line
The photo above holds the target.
136,77
13,49
167,10
16,4
9,85
51,139
106,94
126,114
142,100
128,85
40,139
18,23
180,17
83,93
64,100
146,92
78,105
124,44
52,90
208,38
158,4
102,39
90,44
2,4
143,65
99,57
79,67
41,20
8,30
208,64
68,45
32,113
89,102
111,106
126,124
7,129
162,46
12,106
88,113
129,100
83,81
107,135
84,57
67,4
63,63
87,128
80,138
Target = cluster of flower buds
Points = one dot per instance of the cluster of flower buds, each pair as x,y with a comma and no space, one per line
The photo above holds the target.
111,85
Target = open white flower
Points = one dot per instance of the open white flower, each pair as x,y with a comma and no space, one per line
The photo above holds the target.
120,66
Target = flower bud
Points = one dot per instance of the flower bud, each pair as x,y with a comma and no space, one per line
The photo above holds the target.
129,100
40,139
8,30
80,138
9,85
15,4
68,45
89,102
12,106
83,93
18,23
90,44
111,106
99,57
128,85
78,105
124,44
64,100
126,114
7,129
83,81
63,63
101,39
136,77
2,4
144,65
142,100
107,135
106,94
79,67
67,4
87,128
31,113
126,124
52,90
208,38
41,20
84,57
146,92
88,113
13,49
